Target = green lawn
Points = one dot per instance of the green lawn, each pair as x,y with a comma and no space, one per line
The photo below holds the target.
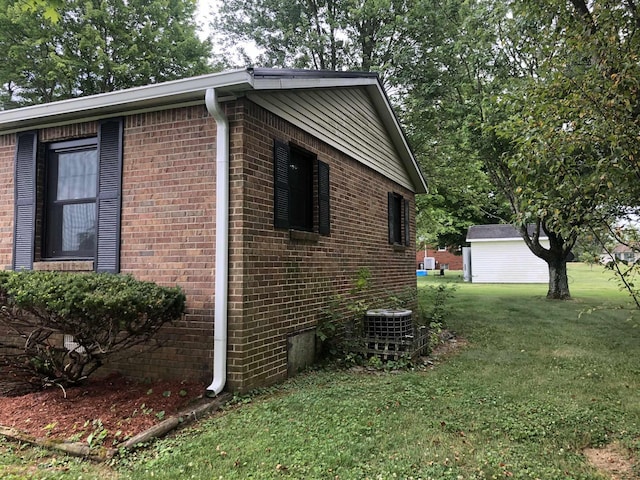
537,382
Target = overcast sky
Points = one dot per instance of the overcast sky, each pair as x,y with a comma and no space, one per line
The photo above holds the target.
203,17
203,13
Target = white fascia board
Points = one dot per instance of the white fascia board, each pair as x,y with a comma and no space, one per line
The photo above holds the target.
287,83
506,239
123,101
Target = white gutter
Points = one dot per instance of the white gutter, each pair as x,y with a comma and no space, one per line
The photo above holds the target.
167,94
222,244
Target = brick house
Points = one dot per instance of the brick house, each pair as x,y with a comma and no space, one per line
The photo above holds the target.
261,192
447,258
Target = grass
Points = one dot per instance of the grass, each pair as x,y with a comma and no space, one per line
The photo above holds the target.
537,383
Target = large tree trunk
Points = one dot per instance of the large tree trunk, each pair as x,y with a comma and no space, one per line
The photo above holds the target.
558,281
555,256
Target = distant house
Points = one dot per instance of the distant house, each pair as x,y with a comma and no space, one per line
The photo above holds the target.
499,255
445,258
261,192
622,252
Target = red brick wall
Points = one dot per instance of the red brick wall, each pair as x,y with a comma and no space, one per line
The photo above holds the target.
168,229
167,226
7,154
279,286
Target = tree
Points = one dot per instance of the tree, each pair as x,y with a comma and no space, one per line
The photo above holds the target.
448,63
473,76
96,46
318,34
572,157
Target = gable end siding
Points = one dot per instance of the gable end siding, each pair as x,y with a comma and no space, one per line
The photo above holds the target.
343,118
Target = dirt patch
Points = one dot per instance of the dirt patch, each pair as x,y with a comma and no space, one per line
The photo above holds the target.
103,411
613,460
449,343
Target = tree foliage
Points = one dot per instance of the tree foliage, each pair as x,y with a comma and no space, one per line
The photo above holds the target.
570,122
320,34
96,46
49,8
450,68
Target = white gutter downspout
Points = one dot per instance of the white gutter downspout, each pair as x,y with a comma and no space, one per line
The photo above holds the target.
222,244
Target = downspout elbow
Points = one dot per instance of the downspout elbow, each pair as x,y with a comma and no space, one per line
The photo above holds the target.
222,244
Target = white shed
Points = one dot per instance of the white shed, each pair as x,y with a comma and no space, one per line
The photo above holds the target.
499,255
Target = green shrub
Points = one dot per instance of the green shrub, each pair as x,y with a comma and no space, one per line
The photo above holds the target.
104,313
434,310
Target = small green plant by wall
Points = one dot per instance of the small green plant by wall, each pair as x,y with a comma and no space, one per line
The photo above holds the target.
433,310
340,330
343,315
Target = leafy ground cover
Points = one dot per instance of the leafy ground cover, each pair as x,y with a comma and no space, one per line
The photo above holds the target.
536,384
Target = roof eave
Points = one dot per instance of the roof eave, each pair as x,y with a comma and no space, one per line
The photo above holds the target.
121,101
192,91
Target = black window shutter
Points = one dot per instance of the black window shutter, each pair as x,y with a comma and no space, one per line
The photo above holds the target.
25,201
407,231
324,208
391,217
281,154
109,196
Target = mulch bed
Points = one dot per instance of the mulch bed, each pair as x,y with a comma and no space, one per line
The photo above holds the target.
105,411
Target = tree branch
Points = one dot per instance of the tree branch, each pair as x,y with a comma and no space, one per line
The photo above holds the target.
585,14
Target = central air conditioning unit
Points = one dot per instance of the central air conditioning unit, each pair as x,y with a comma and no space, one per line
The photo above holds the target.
388,323
390,334
71,345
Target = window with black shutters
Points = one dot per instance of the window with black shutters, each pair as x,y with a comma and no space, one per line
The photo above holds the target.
398,219
301,190
81,202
